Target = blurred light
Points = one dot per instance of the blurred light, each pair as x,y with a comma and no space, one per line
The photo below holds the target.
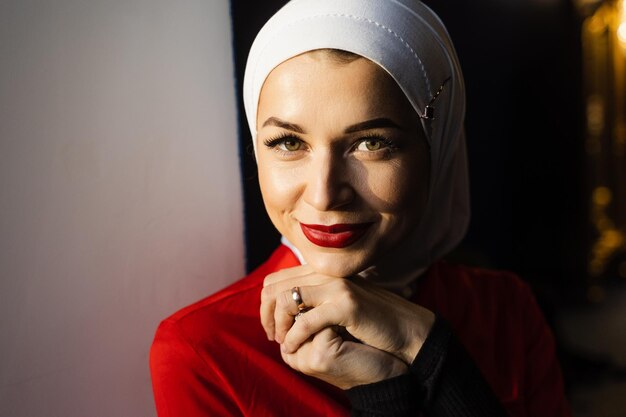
595,114
596,24
621,29
613,238
602,196
621,33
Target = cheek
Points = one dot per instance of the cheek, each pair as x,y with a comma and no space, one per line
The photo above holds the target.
279,188
396,189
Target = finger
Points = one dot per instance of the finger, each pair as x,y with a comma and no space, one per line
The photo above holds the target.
316,356
311,323
270,292
269,295
321,353
268,301
285,310
286,306
336,293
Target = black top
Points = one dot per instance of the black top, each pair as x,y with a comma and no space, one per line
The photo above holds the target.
443,380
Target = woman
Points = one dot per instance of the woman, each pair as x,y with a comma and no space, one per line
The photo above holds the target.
356,109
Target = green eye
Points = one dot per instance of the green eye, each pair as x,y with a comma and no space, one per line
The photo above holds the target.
290,145
370,145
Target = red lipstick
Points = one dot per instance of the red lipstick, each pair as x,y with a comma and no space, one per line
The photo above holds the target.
335,235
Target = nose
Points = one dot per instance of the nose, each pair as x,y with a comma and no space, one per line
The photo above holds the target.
328,185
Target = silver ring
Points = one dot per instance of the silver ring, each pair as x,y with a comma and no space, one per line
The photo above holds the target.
297,298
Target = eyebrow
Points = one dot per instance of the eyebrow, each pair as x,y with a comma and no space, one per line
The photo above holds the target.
381,122
275,121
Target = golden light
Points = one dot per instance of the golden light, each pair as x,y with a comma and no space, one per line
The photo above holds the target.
621,29
621,33
604,72
596,24
602,196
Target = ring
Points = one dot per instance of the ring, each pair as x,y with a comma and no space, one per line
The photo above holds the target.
297,298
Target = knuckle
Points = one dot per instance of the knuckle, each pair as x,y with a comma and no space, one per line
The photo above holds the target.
288,359
318,361
282,301
278,276
267,294
268,280
272,278
349,300
352,306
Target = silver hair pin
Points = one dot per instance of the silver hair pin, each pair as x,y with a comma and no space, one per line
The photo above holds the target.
429,110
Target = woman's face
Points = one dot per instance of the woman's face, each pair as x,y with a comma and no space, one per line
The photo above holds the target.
343,163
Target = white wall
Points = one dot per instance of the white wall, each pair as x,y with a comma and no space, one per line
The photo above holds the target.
120,196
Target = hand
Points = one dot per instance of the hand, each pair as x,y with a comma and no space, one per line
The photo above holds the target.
327,356
279,284
374,316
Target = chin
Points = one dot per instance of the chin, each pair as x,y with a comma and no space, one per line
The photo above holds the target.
341,264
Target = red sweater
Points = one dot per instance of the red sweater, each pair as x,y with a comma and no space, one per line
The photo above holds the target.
212,358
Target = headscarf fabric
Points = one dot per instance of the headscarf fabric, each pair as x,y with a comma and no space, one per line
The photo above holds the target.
409,42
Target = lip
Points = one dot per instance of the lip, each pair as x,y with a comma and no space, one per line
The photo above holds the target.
334,235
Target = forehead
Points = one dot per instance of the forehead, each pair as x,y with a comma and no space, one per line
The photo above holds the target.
315,83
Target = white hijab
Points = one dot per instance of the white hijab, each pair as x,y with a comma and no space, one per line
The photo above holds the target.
410,42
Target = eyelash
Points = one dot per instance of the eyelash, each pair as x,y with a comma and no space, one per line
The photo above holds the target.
275,141
389,146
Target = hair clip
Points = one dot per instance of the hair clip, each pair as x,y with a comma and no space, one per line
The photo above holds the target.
429,110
